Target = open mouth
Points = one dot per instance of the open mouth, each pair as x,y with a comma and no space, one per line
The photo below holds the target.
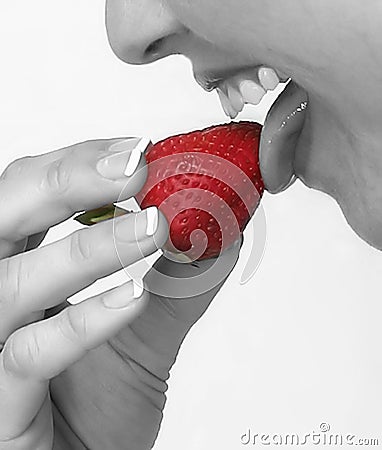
237,87
283,124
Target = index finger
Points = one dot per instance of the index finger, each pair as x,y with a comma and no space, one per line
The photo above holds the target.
41,191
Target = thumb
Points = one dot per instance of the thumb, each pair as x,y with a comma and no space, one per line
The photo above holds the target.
168,317
187,289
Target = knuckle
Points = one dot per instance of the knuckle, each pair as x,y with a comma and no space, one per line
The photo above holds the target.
58,178
31,353
17,167
74,327
11,280
80,247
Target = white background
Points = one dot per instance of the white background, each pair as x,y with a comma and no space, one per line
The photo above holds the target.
296,346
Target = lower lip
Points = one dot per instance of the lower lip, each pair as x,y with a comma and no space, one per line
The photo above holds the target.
279,137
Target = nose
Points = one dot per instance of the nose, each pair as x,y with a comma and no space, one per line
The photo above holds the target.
141,31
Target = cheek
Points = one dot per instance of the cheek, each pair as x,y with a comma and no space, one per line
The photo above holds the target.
251,30
217,21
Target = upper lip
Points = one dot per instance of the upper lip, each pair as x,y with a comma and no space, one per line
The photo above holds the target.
209,80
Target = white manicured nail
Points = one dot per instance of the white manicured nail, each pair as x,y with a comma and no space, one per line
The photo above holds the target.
120,297
268,78
252,92
177,257
143,144
152,220
138,289
124,159
136,156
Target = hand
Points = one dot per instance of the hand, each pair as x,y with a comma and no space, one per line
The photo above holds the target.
91,375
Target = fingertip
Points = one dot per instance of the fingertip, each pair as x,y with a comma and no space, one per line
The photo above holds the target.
128,296
163,230
139,177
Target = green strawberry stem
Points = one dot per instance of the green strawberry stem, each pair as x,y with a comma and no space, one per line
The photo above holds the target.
101,214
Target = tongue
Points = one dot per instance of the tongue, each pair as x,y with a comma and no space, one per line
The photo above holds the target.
279,138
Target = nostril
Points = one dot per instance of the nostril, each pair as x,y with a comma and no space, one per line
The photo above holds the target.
154,48
164,46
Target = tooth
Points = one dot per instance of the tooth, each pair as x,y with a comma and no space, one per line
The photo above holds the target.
232,111
268,78
282,76
235,98
224,101
251,92
226,104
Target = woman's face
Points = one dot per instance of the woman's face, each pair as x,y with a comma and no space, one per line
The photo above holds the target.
332,49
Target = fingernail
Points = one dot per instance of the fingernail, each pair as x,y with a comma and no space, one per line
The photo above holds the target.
145,224
152,220
176,257
123,296
138,289
124,158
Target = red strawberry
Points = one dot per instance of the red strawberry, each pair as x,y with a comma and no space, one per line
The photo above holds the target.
207,184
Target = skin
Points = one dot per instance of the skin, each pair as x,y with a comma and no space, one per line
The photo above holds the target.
337,62
88,375
109,367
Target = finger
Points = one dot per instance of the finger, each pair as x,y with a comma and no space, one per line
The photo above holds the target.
35,240
43,278
166,321
179,282
41,191
39,352
9,248
50,312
